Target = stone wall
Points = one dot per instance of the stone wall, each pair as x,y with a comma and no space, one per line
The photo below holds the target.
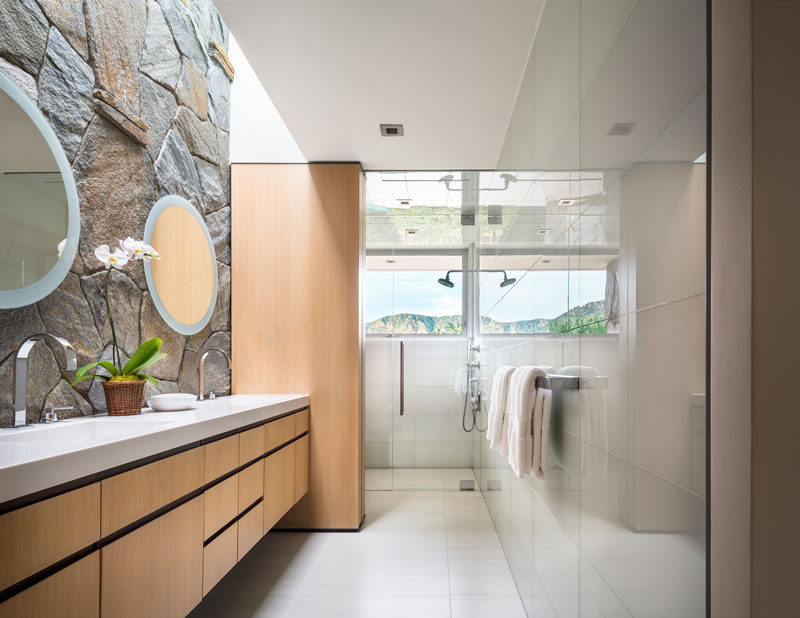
138,93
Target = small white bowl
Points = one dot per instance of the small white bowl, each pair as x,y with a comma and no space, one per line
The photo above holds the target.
171,402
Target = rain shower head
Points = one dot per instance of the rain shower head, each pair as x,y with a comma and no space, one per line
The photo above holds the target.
507,280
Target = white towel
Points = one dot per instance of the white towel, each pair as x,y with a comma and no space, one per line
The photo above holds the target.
541,432
497,405
593,426
519,419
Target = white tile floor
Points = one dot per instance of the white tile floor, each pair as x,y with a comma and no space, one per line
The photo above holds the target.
423,554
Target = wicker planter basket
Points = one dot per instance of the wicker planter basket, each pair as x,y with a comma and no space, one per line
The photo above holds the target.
124,398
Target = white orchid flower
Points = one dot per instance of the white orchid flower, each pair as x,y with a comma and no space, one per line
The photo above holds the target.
139,249
134,247
151,254
119,257
61,246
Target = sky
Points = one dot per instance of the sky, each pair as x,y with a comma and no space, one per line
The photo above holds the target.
536,294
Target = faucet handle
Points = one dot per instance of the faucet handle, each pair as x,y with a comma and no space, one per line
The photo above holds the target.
51,416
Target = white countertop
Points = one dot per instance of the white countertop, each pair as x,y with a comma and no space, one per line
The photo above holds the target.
41,456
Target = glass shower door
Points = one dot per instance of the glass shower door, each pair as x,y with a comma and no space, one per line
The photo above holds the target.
416,332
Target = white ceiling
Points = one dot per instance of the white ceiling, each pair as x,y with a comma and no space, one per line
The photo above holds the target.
448,70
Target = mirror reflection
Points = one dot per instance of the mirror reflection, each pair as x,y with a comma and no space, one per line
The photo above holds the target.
33,200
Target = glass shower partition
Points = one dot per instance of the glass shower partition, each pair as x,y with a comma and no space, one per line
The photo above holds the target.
417,328
610,129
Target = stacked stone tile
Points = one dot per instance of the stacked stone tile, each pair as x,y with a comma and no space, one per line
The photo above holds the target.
102,71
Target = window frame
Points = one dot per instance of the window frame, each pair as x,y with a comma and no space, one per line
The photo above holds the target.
464,253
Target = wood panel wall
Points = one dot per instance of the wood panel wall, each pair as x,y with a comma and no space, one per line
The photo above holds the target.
297,249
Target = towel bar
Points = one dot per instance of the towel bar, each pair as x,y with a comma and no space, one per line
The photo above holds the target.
570,383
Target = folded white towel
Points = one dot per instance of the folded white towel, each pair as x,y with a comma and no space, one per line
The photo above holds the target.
519,419
497,405
541,432
593,426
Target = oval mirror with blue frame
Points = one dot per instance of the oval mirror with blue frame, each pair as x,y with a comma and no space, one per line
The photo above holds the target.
183,283
39,208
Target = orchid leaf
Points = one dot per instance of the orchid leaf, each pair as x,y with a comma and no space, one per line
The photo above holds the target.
155,358
147,378
89,376
141,356
82,371
109,366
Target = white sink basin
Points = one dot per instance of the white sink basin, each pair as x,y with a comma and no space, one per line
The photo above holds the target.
100,429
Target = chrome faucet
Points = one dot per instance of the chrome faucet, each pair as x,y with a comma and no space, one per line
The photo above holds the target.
201,368
21,371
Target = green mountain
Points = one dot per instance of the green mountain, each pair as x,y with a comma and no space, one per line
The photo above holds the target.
588,318
415,324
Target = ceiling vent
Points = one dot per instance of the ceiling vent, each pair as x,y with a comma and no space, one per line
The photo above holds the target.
621,128
392,130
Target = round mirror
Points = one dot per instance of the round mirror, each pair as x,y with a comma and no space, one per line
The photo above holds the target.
39,211
183,283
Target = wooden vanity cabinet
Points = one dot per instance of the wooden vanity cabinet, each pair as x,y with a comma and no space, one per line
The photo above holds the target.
72,592
301,453
137,493
156,570
279,484
36,536
219,557
167,531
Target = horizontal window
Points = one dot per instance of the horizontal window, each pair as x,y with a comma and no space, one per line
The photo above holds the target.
543,301
412,302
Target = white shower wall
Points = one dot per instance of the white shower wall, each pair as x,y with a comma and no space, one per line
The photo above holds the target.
429,433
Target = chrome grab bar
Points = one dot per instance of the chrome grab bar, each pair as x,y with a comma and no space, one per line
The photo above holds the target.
402,377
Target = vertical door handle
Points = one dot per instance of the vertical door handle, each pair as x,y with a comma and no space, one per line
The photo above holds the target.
402,377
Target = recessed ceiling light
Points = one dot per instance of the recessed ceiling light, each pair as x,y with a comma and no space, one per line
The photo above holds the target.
392,130
542,231
391,261
546,261
621,128
411,231
405,201
567,202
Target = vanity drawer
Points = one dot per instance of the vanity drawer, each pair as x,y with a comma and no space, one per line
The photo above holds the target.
301,422
251,529
251,444
222,456
279,485
219,557
251,484
156,570
221,505
36,536
279,431
301,468
131,495
73,592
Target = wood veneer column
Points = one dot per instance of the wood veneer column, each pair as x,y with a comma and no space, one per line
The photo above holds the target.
297,246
